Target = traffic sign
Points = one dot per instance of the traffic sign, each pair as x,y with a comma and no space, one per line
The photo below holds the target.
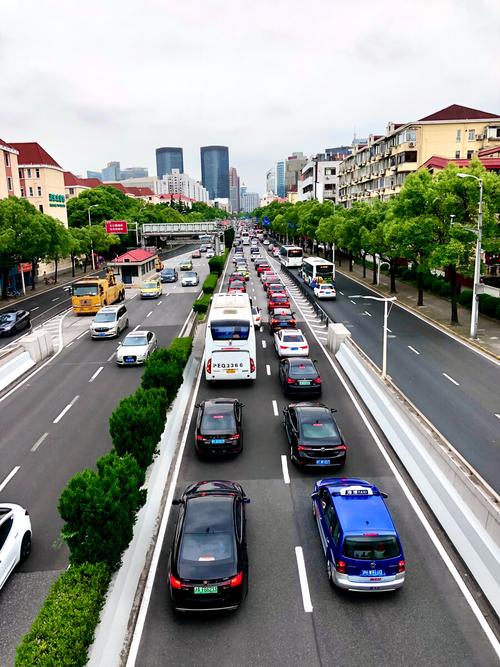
116,227
266,222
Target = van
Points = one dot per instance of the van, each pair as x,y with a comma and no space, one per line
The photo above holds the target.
109,321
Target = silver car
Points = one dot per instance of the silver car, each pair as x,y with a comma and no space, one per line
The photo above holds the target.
190,279
136,348
109,322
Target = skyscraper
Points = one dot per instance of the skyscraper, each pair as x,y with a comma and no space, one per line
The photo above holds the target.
280,179
215,170
234,190
168,158
111,172
293,168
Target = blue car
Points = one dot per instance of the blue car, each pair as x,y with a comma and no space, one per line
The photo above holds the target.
361,545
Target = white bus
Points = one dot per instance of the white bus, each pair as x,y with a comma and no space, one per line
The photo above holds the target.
291,255
245,237
318,269
230,350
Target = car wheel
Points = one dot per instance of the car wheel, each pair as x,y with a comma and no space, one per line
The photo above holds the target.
25,547
329,571
126,324
292,455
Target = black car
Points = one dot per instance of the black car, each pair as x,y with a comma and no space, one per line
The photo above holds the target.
208,567
281,318
169,276
219,427
12,321
299,375
313,435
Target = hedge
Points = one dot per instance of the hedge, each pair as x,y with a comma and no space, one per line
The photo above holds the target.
64,628
210,283
181,349
465,298
201,305
488,304
216,264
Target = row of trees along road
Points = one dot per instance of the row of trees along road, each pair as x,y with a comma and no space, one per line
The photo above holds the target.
26,235
430,223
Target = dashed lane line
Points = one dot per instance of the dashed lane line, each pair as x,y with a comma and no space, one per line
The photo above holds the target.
451,379
111,356
284,467
149,314
268,369
65,410
39,442
304,586
275,408
413,349
9,477
264,344
367,313
96,373
82,335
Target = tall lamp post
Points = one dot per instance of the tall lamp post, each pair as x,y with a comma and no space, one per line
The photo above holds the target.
91,244
387,312
477,264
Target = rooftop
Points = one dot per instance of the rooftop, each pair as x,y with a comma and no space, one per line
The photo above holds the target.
458,112
32,153
137,255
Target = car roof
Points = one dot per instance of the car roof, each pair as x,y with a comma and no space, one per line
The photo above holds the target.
109,309
300,361
138,332
211,513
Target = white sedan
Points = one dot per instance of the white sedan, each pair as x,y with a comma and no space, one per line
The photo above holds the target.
290,343
325,291
257,317
15,538
136,348
265,242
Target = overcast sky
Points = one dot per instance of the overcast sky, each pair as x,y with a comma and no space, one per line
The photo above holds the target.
109,80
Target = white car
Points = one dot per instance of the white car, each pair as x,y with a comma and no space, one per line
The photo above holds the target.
190,279
265,242
210,254
291,343
276,252
325,291
136,348
257,318
15,538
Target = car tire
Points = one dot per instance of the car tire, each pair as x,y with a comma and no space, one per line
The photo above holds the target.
292,456
329,571
126,324
25,547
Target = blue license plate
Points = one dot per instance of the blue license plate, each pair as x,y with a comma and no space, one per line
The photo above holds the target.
294,349
101,334
217,441
323,462
129,359
372,573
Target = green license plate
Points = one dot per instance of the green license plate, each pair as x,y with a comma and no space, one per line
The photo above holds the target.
304,382
200,590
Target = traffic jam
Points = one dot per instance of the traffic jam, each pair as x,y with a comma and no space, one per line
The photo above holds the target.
208,563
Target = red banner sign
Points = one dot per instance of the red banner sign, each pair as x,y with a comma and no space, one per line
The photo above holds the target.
116,227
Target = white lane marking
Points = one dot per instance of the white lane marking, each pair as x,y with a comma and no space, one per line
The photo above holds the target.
352,301
65,410
135,328
159,303
96,373
35,308
9,477
111,356
268,369
261,329
149,314
264,344
497,415
451,379
367,313
82,335
275,409
389,330
341,293
413,349
70,344
56,299
148,589
284,467
304,586
39,442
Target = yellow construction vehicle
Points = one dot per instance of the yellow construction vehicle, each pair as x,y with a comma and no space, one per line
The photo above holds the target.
90,294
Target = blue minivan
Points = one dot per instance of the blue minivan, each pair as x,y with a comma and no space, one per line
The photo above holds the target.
361,545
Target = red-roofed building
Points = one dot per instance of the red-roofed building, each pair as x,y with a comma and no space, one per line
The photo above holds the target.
9,171
379,169
135,265
489,158
41,180
73,185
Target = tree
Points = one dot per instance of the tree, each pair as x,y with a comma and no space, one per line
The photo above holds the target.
60,242
107,203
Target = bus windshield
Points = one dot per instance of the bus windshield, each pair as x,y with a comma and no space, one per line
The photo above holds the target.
230,329
85,290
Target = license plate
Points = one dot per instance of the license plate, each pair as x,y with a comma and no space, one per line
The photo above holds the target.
231,370
101,334
304,383
323,462
294,349
372,573
129,359
200,590
217,441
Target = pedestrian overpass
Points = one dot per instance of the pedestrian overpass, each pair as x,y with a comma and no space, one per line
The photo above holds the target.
168,230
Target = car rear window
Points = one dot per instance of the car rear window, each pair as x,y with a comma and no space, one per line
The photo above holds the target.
371,547
290,338
304,369
207,548
218,419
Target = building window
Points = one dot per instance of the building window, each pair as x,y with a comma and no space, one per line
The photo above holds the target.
72,191
40,208
472,135
7,161
459,135
20,173
457,155
22,192
9,183
470,154
37,173
39,191
29,173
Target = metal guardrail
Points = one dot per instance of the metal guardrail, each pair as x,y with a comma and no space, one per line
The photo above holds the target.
306,291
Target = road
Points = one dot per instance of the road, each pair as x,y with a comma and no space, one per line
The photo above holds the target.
45,454
453,385
428,622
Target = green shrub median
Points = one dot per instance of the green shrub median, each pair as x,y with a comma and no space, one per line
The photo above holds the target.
210,283
201,305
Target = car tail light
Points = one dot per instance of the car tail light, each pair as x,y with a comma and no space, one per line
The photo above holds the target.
303,347
252,366
237,580
341,448
341,567
174,582
209,366
317,381
401,566
301,448
273,321
236,436
282,347
200,437
290,381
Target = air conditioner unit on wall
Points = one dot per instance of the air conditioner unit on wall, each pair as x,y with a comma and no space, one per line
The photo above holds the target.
411,144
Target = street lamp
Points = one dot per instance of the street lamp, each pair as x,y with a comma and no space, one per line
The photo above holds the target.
387,312
91,244
477,263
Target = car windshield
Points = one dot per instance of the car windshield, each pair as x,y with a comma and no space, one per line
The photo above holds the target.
218,419
85,290
318,426
190,274
168,272
105,317
150,285
7,317
373,547
293,338
130,341
303,369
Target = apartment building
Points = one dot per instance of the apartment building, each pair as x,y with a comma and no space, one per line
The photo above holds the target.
9,171
379,167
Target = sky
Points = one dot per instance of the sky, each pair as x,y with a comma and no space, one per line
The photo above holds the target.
106,80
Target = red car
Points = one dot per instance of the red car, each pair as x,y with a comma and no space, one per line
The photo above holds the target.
237,276
274,287
277,300
268,279
263,267
237,286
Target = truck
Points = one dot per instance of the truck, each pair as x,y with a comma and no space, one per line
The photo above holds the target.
90,294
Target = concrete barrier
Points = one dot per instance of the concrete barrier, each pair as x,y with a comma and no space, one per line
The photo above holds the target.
466,507
13,365
39,344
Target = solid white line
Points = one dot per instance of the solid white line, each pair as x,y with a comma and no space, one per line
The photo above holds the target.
148,589
416,508
56,299
65,410
96,373
264,344
9,477
497,415
451,379
268,369
284,467
413,349
82,335
275,409
70,344
367,313
304,586
39,442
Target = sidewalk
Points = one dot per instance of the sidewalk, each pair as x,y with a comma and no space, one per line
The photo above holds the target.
436,309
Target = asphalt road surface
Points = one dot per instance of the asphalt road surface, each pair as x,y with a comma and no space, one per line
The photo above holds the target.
426,623
46,449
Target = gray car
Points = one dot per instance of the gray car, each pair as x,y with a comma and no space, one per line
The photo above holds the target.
190,279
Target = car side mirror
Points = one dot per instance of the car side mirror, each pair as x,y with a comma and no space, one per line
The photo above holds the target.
177,501
315,494
246,500
333,410
383,494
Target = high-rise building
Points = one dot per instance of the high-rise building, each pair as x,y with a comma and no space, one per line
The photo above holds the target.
319,178
215,171
133,172
293,168
94,174
271,180
234,190
168,158
250,201
177,183
111,172
280,179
